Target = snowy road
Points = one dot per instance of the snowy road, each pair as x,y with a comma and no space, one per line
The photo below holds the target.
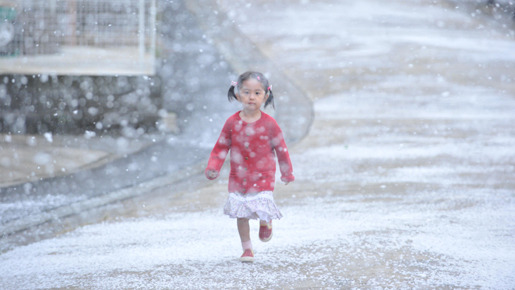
404,181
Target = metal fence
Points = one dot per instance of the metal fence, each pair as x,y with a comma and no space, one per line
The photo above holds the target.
39,27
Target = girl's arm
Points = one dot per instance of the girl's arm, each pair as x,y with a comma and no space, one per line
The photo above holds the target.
283,156
219,152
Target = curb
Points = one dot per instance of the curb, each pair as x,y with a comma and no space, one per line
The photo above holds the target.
93,210
100,201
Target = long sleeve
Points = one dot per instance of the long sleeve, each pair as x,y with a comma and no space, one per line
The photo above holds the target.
283,157
220,151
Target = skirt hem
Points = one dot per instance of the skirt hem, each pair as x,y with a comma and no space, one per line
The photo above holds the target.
259,205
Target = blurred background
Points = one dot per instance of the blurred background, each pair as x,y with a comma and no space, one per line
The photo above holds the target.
98,96
399,115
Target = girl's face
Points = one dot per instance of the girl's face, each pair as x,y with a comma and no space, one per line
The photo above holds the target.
252,95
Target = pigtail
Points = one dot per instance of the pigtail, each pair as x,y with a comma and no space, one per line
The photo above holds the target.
231,94
270,99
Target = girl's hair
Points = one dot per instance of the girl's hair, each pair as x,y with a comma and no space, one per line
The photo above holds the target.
235,87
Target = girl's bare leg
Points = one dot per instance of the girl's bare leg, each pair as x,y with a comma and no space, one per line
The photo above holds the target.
246,244
243,229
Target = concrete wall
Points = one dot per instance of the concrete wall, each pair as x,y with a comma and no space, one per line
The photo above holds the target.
73,104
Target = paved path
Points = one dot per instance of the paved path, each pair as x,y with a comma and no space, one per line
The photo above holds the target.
404,181
31,158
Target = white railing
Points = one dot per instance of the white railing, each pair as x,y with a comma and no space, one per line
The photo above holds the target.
111,30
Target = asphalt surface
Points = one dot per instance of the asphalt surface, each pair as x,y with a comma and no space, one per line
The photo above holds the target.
404,180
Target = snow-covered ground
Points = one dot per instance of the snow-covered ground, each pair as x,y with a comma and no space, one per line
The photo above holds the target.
380,239
405,180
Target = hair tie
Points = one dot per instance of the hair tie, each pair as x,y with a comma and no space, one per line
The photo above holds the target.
270,88
234,84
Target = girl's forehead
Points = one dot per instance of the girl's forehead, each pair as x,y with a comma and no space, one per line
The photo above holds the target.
252,84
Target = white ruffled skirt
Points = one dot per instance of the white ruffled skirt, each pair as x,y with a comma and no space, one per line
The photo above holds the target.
259,205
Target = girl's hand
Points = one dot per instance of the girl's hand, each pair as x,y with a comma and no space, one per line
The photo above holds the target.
212,174
286,180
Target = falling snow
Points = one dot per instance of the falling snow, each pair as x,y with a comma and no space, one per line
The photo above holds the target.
405,179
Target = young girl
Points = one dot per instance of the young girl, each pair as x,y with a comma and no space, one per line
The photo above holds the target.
253,139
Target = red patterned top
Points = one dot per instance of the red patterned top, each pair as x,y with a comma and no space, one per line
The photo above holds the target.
253,149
